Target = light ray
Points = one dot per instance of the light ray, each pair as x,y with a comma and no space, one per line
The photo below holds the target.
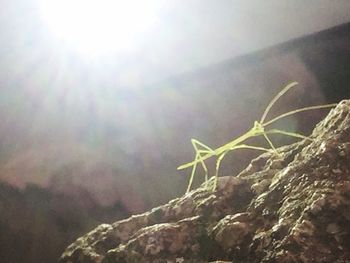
99,26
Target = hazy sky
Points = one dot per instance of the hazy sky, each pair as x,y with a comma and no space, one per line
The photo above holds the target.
186,35
218,30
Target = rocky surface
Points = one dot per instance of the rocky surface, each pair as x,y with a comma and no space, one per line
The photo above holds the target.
290,207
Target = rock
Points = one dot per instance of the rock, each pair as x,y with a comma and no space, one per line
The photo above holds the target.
290,207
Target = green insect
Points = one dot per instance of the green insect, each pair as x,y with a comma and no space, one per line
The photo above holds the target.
204,152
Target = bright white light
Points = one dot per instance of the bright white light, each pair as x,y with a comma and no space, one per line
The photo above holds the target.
96,27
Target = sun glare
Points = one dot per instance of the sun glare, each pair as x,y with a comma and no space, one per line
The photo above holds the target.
94,27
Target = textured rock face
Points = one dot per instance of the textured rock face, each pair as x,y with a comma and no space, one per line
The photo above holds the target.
290,207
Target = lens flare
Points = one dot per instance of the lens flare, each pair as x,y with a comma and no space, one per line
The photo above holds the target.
95,27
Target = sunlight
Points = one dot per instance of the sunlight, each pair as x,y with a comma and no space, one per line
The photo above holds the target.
94,27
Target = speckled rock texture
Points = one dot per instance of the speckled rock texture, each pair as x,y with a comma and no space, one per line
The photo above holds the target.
288,207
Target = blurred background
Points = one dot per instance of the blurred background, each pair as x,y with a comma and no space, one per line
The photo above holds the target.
99,101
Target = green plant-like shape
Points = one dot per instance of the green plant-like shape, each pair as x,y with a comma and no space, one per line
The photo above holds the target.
204,152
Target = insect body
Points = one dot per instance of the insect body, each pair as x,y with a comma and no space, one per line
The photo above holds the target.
204,152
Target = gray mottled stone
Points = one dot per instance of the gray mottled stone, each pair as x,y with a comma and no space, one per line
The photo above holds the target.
290,207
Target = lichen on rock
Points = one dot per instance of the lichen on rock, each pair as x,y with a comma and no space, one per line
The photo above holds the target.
290,207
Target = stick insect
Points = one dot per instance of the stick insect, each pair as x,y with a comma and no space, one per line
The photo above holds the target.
204,152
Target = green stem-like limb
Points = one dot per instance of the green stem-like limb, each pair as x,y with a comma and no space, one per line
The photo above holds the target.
217,167
316,107
198,158
221,157
291,134
276,98
269,142
200,152
192,174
